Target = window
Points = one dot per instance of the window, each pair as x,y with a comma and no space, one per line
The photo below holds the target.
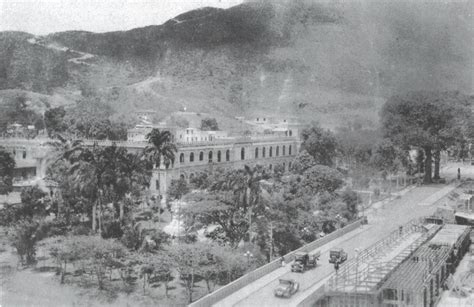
256,153
271,166
242,154
210,157
270,154
263,152
289,165
201,156
284,150
191,157
227,155
219,156
24,154
291,133
181,158
390,294
278,151
289,150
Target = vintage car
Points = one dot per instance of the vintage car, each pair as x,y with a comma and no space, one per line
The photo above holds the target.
337,255
313,259
286,288
304,261
300,263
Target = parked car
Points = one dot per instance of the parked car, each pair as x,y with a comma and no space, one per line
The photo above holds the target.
286,288
337,254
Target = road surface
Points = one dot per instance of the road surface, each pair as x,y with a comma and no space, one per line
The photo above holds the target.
415,203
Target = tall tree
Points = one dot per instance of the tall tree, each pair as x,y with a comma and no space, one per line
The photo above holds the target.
107,175
54,120
319,143
161,147
425,120
7,165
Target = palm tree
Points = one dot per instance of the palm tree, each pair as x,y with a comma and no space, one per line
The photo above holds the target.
87,169
161,147
253,178
133,174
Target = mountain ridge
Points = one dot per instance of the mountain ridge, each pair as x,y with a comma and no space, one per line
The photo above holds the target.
306,59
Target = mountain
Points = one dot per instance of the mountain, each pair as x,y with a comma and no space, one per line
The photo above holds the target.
326,62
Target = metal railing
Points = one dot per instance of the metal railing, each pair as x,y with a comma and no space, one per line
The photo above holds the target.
248,278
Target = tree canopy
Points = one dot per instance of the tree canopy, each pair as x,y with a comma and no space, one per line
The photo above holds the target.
321,144
7,165
209,124
426,120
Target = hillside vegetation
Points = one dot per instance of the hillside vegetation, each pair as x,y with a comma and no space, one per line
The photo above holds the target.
316,61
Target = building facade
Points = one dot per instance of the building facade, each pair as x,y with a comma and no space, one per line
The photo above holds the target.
195,157
32,156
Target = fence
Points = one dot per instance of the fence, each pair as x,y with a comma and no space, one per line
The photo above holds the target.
245,280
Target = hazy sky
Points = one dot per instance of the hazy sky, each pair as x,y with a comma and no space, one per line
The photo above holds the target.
46,16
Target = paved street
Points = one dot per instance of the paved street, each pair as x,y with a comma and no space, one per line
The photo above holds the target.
416,202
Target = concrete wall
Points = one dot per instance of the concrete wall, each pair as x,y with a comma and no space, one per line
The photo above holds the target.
247,279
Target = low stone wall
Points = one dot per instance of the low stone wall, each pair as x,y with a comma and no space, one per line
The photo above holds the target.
248,278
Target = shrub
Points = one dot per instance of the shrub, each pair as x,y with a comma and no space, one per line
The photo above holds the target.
24,237
131,237
112,229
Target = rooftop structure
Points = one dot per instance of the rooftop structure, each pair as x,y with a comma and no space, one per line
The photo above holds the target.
407,269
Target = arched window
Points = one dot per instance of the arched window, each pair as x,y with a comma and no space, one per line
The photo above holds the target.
191,157
289,165
24,154
284,166
227,155
210,157
201,156
289,150
263,152
284,150
181,158
256,153
291,133
242,154
278,151
182,177
219,156
270,154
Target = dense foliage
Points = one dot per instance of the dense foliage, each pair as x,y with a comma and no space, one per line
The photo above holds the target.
7,165
430,121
